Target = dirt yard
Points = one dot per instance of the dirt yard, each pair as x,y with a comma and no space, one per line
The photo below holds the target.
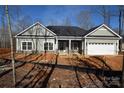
57,71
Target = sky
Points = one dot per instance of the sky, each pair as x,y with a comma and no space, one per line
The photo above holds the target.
58,13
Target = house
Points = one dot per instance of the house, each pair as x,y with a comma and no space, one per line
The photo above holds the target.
100,40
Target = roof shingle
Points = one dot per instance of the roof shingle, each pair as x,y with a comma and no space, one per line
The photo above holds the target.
67,30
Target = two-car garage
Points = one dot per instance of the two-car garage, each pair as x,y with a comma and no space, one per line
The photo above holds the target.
101,48
101,41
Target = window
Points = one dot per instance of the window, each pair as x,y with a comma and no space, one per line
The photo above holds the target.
48,46
26,45
23,45
29,45
75,46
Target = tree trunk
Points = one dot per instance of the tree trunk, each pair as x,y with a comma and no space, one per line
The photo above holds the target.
120,28
11,43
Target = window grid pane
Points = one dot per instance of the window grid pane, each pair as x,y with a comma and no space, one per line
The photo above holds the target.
29,45
46,46
26,45
50,46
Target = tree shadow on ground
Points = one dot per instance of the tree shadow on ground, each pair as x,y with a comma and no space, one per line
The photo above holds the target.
37,79
30,84
7,71
103,61
24,57
92,80
79,83
106,71
87,68
17,84
37,75
45,82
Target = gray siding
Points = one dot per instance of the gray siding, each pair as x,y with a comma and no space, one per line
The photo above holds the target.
35,34
37,30
102,32
38,44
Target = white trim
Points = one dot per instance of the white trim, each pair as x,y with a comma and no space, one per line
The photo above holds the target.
85,51
17,44
106,27
26,37
32,26
108,38
56,45
48,47
27,49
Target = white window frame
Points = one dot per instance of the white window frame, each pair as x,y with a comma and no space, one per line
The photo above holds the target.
48,45
26,46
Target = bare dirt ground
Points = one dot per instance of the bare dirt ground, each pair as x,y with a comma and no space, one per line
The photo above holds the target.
57,71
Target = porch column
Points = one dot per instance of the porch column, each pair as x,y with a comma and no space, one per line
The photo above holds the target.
117,47
17,49
69,46
56,47
85,49
82,47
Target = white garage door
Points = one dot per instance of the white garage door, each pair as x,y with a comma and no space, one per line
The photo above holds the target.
101,49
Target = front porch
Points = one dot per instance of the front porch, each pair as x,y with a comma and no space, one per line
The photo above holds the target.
69,46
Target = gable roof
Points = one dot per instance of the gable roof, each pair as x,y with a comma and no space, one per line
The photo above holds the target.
67,30
92,30
37,23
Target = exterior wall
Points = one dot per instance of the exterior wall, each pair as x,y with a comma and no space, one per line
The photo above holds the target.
35,34
37,30
122,46
102,32
38,44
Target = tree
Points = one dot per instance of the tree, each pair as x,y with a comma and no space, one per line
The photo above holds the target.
11,42
106,12
84,20
121,18
14,16
52,22
23,23
67,22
